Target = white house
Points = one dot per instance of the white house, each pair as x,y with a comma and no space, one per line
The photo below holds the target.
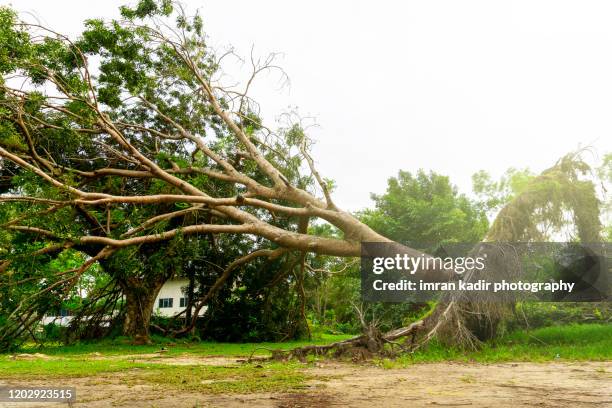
63,319
172,298
170,301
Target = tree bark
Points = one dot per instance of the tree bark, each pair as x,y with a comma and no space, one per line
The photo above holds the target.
140,298
190,297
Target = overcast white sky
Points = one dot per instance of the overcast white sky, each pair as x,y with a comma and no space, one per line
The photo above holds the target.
452,86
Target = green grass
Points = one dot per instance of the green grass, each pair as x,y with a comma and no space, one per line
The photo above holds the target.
121,346
573,342
269,377
119,361
111,356
244,378
65,367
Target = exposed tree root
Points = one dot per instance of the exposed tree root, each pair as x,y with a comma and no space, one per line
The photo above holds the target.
358,348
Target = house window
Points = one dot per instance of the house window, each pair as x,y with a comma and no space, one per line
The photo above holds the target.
165,302
183,302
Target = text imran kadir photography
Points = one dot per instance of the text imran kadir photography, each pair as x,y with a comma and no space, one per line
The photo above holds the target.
550,271
480,285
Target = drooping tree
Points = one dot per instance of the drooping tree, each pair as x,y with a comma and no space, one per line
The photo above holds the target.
541,206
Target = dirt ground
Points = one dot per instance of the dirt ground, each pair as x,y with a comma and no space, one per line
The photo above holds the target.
558,384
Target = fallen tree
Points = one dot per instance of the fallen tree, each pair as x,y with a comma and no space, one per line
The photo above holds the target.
76,132
557,197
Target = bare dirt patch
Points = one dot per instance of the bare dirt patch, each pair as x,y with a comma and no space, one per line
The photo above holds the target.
34,356
575,384
179,360
452,384
208,360
188,359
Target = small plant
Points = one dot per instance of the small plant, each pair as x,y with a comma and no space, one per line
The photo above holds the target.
467,379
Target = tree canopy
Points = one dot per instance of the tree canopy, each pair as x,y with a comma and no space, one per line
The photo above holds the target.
425,209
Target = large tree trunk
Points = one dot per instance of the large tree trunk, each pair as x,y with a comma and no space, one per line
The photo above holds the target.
139,297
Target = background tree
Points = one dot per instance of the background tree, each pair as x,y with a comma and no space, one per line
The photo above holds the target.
604,173
425,209
422,211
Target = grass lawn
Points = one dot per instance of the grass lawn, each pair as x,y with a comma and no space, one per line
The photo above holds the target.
570,343
122,346
141,364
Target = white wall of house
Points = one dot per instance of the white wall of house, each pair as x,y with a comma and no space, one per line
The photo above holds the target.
58,320
173,289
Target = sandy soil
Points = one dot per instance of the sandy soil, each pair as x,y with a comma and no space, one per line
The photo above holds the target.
580,384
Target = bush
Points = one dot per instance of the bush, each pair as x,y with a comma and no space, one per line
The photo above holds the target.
534,315
54,332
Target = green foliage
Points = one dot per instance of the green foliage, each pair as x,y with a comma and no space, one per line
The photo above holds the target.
38,281
604,172
542,207
494,194
145,8
132,69
261,302
591,342
536,315
13,42
53,332
425,209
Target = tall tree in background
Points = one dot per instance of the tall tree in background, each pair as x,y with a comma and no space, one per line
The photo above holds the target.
425,209
604,172
422,211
